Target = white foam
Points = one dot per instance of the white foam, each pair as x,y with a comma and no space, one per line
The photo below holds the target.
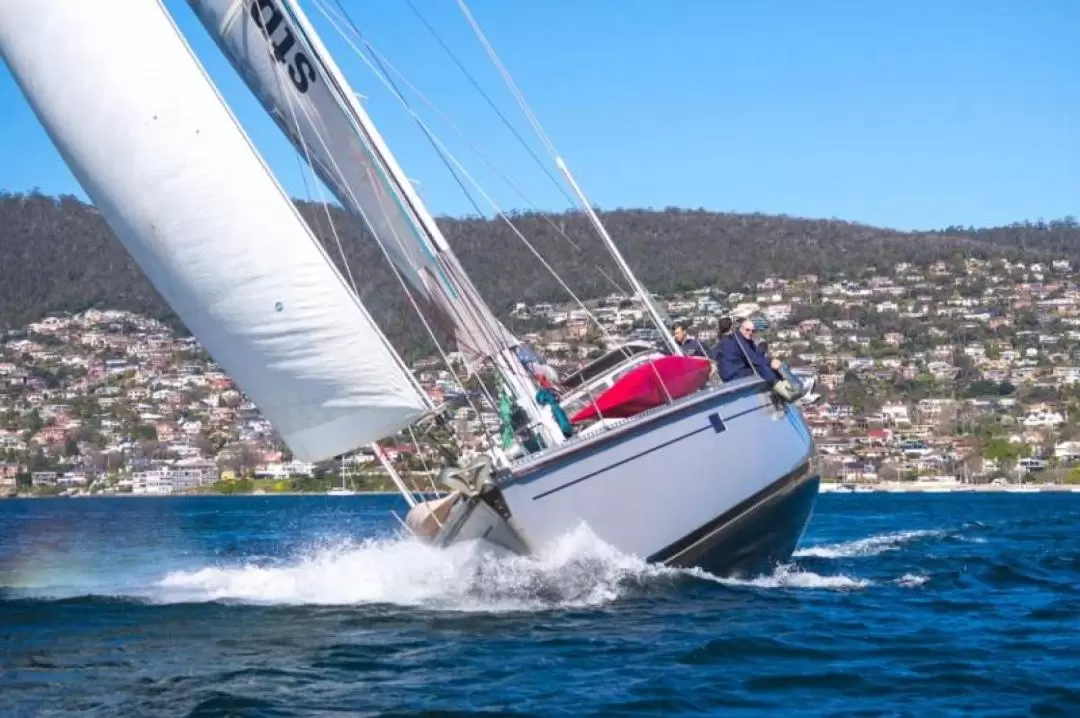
788,576
870,546
911,580
578,571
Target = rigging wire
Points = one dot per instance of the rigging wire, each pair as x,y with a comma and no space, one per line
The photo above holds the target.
512,373
511,85
598,225
449,156
485,322
333,229
388,68
504,365
284,91
487,98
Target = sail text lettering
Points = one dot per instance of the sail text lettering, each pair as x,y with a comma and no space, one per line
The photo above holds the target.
268,17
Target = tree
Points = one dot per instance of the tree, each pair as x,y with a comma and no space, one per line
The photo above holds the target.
229,399
234,486
241,458
115,461
151,449
66,258
1005,451
95,461
890,472
32,422
39,462
858,394
144,432
946,420
84,407
206,445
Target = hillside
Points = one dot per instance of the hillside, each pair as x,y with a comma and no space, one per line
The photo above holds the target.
58,254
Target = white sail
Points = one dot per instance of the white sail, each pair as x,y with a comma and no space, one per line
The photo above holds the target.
157,150
288,69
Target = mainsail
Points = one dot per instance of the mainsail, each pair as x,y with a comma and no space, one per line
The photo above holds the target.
157,150
296,80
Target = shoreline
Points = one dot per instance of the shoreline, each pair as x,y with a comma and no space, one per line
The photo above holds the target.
827,487
916,487
202,495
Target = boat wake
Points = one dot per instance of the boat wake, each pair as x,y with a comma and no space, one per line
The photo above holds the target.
793,576
869,546
578,572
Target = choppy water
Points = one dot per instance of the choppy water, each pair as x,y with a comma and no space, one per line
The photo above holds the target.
310,606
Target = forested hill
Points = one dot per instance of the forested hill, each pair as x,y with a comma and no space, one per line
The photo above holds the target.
58,254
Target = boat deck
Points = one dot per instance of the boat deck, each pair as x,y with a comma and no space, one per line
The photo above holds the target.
633,424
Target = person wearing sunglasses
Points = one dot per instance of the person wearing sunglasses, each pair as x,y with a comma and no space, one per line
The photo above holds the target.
737,356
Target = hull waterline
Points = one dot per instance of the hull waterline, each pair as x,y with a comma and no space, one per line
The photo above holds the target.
754,537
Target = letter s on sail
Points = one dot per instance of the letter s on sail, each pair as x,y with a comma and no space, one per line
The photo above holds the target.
301,72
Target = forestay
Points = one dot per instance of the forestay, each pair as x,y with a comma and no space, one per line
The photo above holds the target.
283,61
154,146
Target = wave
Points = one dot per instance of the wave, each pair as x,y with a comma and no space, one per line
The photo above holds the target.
578,571
869,546
911,580
791,576
575,572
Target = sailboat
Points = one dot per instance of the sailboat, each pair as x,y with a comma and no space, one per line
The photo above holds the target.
714,476
342,490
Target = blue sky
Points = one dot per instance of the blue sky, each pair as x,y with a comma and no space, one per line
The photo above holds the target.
914,114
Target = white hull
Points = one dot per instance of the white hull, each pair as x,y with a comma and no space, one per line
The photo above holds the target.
722,480
338,491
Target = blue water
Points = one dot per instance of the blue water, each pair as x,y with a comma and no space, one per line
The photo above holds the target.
900,605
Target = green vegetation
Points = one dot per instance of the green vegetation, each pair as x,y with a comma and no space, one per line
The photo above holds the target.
233,486
59,255
303,484
1000,449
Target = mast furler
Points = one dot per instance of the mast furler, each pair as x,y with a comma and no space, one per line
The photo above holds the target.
269,42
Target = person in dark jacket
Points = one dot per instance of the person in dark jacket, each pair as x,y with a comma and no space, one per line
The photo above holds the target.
690,346
737,356
723,327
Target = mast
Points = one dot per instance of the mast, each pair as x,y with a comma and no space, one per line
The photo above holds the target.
181,186
639,289
586,206
505,359
272,44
